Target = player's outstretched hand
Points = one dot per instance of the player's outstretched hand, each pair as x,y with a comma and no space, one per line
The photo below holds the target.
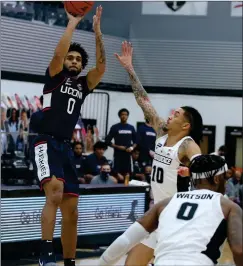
125,58
73,19
96,20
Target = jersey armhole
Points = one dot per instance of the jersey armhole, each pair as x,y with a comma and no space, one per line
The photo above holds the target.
84,82
53,82
179,145
47,74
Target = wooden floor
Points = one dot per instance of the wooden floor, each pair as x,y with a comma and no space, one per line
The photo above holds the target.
89,262
226,259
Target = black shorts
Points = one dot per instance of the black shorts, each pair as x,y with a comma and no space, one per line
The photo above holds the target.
51,157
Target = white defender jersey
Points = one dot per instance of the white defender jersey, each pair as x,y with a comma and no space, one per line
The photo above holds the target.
164,169
192,227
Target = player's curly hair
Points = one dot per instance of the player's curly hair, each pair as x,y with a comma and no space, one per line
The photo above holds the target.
196,122
76,47
207,165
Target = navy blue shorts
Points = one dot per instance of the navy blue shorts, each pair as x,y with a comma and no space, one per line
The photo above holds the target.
51,157
122,163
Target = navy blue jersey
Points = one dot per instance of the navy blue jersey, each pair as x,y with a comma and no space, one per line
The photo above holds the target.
63,97
79,165
35,122
123,135
92,164
146,138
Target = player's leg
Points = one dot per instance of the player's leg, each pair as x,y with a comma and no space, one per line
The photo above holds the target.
142,254
47,166
69,209
69,212
54,192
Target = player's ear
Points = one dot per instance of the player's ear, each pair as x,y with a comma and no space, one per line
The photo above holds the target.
216,179
186,126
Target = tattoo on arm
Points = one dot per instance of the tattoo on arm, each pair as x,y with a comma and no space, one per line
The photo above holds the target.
95,74
185,145
144,102
100,51
187,149
235,233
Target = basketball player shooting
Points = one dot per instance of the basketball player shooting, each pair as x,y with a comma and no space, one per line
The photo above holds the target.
191,226
64,93
177,143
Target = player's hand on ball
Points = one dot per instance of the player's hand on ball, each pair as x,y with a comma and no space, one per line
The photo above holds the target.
125,58
96,20
73,19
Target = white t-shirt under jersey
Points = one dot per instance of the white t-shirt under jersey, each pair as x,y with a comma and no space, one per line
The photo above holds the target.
191,229
164,169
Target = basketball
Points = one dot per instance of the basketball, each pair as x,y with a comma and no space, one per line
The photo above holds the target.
79,8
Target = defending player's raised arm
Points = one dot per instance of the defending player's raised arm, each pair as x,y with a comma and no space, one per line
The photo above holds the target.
234,222
139,92
95,74
56,64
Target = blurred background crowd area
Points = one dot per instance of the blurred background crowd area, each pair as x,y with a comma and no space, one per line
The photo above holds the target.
47,12
92,165
166,58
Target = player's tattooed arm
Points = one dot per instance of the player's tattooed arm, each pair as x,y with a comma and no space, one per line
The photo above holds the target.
140,94
187,150
95,74
144,102
234,222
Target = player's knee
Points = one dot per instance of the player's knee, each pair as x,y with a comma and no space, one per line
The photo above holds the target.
74,216
140,255
71,216
55,198
54,191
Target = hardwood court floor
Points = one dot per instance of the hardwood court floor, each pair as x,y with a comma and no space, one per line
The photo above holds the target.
88,262
226,259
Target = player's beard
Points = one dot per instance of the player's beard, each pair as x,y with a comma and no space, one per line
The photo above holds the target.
165,128
71,73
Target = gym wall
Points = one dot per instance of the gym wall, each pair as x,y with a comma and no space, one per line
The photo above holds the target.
189,51
27,47
217,111
183,51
